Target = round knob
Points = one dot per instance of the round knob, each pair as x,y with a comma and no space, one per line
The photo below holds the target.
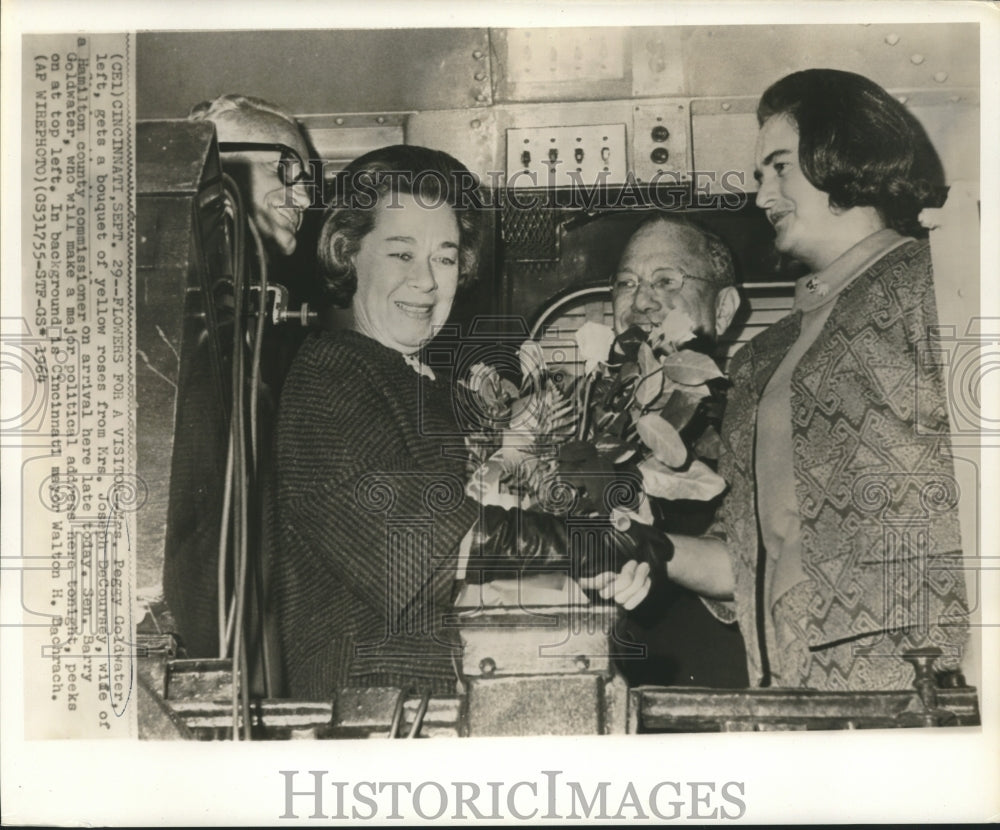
487,666
660,133
659,155
582,663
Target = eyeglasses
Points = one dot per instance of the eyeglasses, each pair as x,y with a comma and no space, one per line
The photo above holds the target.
289,159
665,281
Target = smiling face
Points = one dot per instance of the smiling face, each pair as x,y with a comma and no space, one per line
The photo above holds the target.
407,269
801,215
664,267
274,197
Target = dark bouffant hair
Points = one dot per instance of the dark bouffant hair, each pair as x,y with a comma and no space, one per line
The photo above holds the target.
859,144
431,176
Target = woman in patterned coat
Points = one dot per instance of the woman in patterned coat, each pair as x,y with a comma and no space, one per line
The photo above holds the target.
837,547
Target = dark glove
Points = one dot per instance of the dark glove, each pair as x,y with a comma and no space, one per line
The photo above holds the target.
506,541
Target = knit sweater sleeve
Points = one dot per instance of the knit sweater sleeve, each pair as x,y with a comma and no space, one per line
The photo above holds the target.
353,493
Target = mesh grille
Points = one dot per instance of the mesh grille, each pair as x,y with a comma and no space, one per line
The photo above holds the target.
530,234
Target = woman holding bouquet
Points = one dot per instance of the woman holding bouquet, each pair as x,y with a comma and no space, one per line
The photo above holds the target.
838,540
372,512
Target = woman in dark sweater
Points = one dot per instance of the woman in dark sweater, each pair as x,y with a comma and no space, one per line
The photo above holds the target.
372,509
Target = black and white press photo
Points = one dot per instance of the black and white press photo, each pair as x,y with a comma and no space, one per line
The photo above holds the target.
599,402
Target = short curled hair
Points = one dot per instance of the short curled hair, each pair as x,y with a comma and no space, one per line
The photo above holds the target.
431,176
858,144
722,271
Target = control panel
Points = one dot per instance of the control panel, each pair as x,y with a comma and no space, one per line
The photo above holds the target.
660,141
566,156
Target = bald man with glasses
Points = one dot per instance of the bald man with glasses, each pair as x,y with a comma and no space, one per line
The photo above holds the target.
265,152
263,149
668,264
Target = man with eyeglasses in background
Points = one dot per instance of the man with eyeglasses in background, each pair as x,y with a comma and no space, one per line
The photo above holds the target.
265,152
670,263
263,149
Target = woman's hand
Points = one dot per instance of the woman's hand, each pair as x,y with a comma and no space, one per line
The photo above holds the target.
628,588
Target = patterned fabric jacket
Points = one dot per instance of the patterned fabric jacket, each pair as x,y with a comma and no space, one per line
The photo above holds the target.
371,512
874,477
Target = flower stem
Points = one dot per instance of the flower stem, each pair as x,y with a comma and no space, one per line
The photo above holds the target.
640,382
588,383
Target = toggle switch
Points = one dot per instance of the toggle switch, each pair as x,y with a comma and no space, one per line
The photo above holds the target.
562,155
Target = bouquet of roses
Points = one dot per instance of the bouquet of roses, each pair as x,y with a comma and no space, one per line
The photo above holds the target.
556,442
